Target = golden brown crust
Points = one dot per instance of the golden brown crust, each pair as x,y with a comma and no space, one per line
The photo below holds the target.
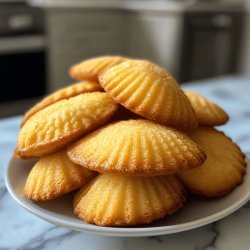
116,200
55,175
54,127
207,112
91,68
136,147
149,91
224,168
64,93
213,194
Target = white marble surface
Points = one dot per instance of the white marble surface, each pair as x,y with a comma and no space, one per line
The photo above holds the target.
22,230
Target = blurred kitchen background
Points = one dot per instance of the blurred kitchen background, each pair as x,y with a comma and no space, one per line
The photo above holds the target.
192,39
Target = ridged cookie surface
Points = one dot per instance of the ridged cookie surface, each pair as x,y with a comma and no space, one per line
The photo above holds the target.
115,200
207,112
63,122
149,91
222,171
64,93
91,68
55,175
136,147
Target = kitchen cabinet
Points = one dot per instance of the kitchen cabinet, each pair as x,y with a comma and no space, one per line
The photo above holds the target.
157,37
190,43
211,44
79,33
75,34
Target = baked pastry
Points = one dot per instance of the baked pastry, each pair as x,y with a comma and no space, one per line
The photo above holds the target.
207,112
55,175
222,171
115,200
149,91
64,93
144,161
61,123
91,68
136,147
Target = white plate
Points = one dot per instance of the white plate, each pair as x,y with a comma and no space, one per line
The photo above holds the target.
197,212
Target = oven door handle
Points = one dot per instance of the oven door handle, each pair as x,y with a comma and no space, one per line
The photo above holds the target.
22,44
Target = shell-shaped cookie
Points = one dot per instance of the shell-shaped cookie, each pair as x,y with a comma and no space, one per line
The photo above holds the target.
207,112
64,93
136,147
149,91
91,68
222,171
115,200
59,124
55,175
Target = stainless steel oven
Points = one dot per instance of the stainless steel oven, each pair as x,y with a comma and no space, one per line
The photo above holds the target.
211,43
22,52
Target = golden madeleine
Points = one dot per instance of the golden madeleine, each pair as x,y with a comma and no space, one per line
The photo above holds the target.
55,175
116,200
222,171
136,147
207,112
149,91
91,68
59,124
64,93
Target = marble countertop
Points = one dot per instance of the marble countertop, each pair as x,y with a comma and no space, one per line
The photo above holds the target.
21,230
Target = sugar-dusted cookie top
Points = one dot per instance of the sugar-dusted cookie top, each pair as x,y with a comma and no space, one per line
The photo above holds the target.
207,112
136,147
91,68
59,124
115,199
222,171
148,90
64,93
55,175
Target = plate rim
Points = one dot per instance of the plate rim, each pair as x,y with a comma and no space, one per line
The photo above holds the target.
121,231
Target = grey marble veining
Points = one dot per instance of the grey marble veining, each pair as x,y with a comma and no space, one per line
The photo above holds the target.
21,230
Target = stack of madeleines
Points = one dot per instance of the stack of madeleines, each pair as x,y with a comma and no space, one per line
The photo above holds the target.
131,140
